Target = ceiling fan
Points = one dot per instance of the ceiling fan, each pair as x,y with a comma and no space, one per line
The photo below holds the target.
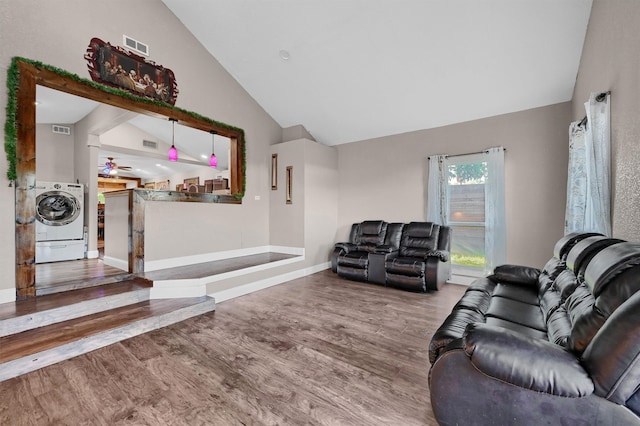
111,168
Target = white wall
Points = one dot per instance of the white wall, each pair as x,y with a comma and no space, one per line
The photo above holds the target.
54,155
386,178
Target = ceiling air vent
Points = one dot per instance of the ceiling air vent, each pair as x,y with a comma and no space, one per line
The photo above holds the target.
62,130
135,45
149,144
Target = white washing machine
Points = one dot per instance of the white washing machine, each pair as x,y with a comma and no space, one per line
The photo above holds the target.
59,221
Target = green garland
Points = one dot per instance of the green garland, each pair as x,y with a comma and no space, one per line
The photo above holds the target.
10,126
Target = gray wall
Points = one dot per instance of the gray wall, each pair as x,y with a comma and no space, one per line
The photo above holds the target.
611,61
386,178
310,220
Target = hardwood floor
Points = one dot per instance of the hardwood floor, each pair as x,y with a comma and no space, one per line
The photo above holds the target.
316,350
54,277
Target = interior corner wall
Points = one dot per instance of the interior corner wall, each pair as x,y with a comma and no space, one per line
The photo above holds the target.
386,178
310,220
610,61
58,33
321,202
286,221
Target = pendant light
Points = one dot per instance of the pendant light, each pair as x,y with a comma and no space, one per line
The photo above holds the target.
173,152
213,161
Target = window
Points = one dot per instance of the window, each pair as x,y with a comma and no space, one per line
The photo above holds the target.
466,192
465,197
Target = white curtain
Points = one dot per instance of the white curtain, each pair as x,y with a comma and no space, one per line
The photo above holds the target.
588,185
495,234
436,191
495,229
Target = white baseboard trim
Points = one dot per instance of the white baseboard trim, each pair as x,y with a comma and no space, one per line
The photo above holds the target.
221,296
93,254
154,265
116,263
8,295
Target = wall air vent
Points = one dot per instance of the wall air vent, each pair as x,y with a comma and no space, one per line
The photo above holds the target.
62,130
149,144
135,45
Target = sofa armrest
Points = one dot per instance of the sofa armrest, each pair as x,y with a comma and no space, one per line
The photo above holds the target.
347,247
383,249
443,255
338,250
532,364
515,274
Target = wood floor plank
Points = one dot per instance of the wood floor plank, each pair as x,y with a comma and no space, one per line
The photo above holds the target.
318,350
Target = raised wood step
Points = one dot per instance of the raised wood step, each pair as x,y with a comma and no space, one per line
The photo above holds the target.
45,310
83,282
33,349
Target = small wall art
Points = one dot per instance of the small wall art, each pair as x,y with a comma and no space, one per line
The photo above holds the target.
289,183
274,171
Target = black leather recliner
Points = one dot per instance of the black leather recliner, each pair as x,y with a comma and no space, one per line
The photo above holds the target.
351,259
412,256
422,261
559,345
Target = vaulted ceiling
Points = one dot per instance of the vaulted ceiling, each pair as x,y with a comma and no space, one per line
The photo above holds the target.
351,70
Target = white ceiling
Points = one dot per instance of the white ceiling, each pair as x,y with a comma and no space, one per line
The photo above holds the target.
361,69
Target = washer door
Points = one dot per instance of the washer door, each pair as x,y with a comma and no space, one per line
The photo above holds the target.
57,208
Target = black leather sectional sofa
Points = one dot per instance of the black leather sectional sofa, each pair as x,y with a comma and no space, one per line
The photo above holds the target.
558,346
412,256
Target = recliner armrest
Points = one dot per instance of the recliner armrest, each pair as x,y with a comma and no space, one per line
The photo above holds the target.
385,249
347,247
443,255
515,274
529,363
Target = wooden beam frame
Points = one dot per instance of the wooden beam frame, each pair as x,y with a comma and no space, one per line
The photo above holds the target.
31,75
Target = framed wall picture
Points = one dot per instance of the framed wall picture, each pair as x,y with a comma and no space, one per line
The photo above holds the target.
163,185
117,67
150,185
289,184
192,181
274,171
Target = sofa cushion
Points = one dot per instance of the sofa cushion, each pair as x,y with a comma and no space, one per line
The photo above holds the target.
528,363
483,284
515,274
518,312
478,301
565,284
372,233
516,292
613,356
549,302
405,266
532,333
418,239
559,327
549,273
355,259
451,329
419,229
